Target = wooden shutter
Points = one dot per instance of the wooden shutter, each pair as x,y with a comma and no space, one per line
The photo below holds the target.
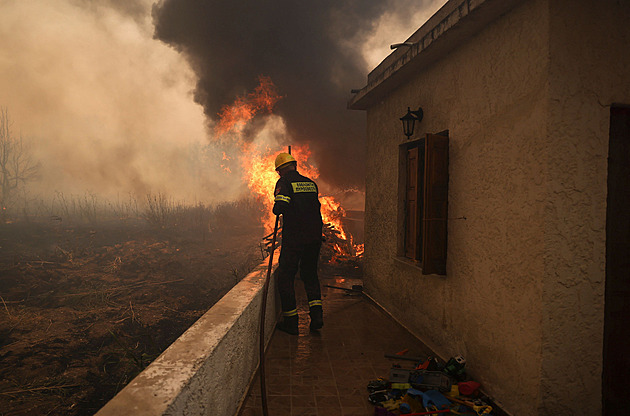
435,212
412,200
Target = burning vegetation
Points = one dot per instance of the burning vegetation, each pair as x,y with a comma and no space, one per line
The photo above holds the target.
257,161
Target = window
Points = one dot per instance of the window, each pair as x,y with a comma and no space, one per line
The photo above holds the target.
423,202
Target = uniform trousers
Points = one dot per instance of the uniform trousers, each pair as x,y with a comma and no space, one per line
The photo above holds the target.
302,257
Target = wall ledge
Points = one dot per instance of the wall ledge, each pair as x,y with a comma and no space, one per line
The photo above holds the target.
207,370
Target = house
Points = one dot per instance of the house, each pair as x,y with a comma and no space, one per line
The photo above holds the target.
500,228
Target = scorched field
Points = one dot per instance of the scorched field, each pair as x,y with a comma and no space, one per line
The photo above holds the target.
86,303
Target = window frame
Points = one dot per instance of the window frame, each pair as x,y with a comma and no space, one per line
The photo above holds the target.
431,212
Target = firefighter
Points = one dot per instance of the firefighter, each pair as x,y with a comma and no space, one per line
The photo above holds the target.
296,198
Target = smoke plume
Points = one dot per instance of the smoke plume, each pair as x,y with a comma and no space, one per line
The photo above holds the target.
106,108
314,51
120,96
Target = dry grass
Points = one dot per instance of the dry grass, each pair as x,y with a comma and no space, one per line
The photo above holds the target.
88,208
156,209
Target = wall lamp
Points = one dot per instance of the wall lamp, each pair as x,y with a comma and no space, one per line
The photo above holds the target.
409,121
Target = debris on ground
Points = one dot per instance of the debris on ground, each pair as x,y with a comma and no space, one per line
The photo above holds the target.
427,387
337,246
85,308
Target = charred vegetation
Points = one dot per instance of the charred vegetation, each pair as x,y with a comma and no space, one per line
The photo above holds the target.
89,296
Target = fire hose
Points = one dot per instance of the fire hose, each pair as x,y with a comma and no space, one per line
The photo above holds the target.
263,389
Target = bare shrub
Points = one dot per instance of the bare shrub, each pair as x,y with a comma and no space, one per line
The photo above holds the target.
17,166
160,210
123,209
199,218
243,211
165,213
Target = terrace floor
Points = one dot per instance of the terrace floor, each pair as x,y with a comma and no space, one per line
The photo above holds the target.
326,373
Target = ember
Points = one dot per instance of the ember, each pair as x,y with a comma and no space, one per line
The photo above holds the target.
224,166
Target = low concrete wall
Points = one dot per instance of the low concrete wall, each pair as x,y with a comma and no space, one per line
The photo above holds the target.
208,369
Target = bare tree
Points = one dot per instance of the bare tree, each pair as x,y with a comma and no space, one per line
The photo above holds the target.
17,166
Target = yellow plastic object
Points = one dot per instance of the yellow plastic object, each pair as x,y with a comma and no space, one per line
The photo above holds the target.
391,404
282,159
454,391
482,410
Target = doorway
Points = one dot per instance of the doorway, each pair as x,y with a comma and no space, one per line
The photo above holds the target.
616,356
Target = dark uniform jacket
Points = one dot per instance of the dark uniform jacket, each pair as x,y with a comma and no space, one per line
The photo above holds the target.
296,198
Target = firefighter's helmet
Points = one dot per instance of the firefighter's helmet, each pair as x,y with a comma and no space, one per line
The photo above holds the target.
283,160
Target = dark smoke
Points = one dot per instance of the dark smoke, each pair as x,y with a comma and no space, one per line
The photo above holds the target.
310,49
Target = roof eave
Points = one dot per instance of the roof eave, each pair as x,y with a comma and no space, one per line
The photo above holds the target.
455,22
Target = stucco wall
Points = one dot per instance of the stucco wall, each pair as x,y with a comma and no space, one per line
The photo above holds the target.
491,93
589,70
527,104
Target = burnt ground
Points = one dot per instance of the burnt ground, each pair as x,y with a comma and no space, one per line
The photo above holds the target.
84,309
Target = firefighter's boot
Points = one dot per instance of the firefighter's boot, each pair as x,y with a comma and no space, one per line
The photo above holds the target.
317,317
289,324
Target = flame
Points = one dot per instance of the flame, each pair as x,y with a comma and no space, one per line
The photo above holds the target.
261,180
224,166
333,213
236,116
258,164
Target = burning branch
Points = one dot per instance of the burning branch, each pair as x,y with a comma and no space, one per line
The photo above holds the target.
337,247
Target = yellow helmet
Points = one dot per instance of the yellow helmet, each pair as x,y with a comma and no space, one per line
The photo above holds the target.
283,159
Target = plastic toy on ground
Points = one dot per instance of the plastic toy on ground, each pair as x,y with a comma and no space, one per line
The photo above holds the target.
468,388
429,388
455,367
378,397
399,375
432,380
478,406
430,364
377,385
434,398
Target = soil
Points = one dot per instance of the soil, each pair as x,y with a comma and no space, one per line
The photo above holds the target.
83,309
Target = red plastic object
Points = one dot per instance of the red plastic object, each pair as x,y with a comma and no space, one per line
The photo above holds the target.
468,387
